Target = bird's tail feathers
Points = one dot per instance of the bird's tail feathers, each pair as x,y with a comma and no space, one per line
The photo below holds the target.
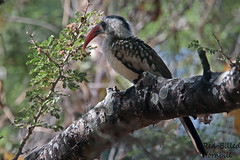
192,133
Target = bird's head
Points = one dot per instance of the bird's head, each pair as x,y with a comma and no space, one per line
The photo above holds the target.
115,26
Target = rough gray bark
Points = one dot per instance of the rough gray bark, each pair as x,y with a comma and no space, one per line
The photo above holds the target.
149,101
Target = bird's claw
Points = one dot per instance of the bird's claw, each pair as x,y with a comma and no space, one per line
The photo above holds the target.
117,92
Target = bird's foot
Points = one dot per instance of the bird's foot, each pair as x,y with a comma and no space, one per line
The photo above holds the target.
117,92
115,89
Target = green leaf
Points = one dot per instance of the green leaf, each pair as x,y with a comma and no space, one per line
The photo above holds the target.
45,75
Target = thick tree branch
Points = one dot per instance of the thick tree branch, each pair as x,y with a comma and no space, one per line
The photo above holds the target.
149,101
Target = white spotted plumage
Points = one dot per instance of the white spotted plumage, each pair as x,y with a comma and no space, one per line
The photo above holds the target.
130,56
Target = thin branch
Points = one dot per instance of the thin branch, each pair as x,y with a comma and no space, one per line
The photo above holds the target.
79,26
32,21
84,13
24,140
222,51
40,50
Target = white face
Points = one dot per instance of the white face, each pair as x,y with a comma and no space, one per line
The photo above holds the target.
116,26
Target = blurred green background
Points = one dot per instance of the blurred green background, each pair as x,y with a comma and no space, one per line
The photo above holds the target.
167,26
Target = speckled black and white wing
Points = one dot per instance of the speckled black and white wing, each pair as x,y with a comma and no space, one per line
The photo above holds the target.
139,57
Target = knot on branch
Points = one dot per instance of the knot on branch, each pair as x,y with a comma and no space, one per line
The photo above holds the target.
232,84
206,67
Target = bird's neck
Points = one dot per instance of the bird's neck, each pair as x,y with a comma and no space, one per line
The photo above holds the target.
112,38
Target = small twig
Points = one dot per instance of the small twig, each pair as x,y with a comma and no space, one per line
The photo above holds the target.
84,13
50,59
222,51
55,82
29,132
40,50
79,26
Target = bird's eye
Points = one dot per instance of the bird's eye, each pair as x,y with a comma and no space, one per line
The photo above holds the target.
103,24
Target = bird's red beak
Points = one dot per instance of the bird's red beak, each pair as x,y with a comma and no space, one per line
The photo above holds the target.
92,34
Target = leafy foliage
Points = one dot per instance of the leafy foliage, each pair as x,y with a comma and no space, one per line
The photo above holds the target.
51,60
196,45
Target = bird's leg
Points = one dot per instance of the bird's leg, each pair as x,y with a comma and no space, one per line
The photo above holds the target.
136,80
142,75
116,89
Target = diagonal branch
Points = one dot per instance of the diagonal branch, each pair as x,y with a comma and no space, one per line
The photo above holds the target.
32,21
149,101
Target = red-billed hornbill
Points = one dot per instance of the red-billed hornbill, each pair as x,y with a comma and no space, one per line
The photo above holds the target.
130,57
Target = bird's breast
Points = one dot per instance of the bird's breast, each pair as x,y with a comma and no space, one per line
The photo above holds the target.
117,64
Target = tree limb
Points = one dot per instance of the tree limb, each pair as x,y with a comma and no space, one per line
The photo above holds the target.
149,101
